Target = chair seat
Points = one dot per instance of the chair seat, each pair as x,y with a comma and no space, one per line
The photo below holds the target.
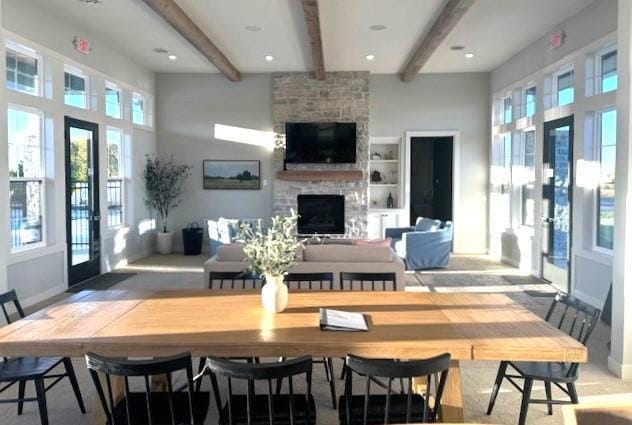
17,368
160,411
377,404
260,411
546,371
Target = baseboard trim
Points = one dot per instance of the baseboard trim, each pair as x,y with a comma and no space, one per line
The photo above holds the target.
56,290
622,371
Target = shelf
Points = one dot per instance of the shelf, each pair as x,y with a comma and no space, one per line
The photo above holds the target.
320,175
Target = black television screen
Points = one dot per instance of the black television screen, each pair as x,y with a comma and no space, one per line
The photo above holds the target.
319,142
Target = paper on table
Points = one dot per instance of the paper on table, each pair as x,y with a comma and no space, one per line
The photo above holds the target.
337,320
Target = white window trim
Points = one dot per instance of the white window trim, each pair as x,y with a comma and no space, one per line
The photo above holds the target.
121,177
528,86
561,71
42,177
27,51
113,86
504,99
86,77
597,154
523,134
598,71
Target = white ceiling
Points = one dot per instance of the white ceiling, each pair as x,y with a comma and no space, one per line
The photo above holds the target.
494,30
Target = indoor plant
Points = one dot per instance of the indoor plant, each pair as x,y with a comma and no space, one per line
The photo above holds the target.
270,254
164,183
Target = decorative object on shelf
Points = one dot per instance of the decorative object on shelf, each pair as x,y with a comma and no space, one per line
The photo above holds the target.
389,156
390,202
376,156
164,184
223,174
376,177
270,254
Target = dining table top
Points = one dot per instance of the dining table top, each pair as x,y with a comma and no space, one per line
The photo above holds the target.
406,325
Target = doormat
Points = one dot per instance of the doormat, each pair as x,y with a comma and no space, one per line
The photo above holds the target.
540,294
525,280
101,282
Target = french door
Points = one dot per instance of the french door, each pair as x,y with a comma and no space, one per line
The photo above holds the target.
82,200
557,191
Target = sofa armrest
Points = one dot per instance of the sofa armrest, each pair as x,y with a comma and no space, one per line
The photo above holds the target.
397,232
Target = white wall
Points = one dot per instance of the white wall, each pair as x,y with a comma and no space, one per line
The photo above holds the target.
444,102
188,107
41,272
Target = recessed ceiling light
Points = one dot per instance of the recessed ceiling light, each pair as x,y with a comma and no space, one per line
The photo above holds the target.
377,27
370,57
457,47
172,57
469,55
269,58
252,28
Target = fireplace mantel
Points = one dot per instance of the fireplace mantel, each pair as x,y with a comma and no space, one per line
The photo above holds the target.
320,175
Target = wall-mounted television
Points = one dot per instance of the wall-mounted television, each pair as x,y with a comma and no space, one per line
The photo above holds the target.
320,143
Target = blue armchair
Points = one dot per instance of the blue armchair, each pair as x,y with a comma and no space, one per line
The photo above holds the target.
224,231
423,249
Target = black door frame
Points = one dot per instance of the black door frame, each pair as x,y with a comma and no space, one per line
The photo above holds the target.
548,188
91,268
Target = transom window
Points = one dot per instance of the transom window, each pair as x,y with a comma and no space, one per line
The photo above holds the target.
75,88
26,177
115,177
138,109
112,100
529,101
606,154
507,110
608,78
22,70
565,88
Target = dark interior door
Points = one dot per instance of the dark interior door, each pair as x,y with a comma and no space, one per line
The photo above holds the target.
557,191
82,200
431,178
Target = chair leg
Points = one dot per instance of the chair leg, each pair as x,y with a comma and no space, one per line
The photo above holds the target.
70,371
328,374
40,390
279,382
502,369
526,398
344,371
549,397
572,392
198,384
21,391
332,382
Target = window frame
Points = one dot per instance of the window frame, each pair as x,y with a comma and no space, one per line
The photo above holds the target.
120,177
524,100
599,71
523,155
555,87
507,100
109,85
137,95
597,155
69,69
41,178
32,53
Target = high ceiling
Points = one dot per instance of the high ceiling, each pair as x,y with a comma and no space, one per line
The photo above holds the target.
494,30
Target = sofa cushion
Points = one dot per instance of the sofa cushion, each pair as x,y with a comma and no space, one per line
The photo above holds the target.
372,242
347,253
235,252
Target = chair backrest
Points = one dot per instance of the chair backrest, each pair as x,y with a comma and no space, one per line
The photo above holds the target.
369,281
10,297
251,372
575,317
234,280
435,370
317,281
138,369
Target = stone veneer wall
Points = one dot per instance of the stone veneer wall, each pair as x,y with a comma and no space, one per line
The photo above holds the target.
341,97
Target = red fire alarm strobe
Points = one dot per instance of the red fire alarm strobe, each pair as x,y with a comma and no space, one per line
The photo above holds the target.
82,45
557,39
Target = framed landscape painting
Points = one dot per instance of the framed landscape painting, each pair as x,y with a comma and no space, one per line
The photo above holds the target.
220,174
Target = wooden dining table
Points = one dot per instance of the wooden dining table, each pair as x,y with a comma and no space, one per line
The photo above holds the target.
402,325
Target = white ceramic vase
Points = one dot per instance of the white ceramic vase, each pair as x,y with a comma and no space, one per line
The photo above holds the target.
274,294
165,242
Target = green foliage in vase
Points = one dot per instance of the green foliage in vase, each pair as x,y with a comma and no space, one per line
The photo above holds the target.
271,251
164,184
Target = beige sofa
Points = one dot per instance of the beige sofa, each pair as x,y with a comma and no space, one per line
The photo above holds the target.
319,259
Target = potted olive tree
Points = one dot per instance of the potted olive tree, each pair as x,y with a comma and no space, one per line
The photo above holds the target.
164,184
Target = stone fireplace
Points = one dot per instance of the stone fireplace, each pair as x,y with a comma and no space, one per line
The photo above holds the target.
341,97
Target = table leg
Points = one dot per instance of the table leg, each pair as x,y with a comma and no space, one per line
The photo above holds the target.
452,400
98,414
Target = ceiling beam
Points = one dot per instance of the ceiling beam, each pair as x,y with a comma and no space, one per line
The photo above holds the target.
451,14
310,10
171,13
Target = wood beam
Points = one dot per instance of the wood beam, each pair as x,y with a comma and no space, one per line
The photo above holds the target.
451,14
169,11
310,10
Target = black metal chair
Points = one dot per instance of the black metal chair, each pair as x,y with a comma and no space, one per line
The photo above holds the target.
391,407
21,370
573,313
269,407
234,280
147,407
368,281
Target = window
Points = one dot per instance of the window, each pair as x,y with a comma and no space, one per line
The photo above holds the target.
112,100
22,70
606,154
26,178
528,186
565,89
608,74
115,177
507,113
138,109
75,93
529,101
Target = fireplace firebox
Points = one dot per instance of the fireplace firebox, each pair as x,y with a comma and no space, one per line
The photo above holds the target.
321,214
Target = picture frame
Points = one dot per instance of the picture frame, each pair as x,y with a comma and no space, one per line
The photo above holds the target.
231,174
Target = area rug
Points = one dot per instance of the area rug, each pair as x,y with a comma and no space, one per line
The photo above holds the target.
525,280
101,282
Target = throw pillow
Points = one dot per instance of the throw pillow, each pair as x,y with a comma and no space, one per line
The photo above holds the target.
379,243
